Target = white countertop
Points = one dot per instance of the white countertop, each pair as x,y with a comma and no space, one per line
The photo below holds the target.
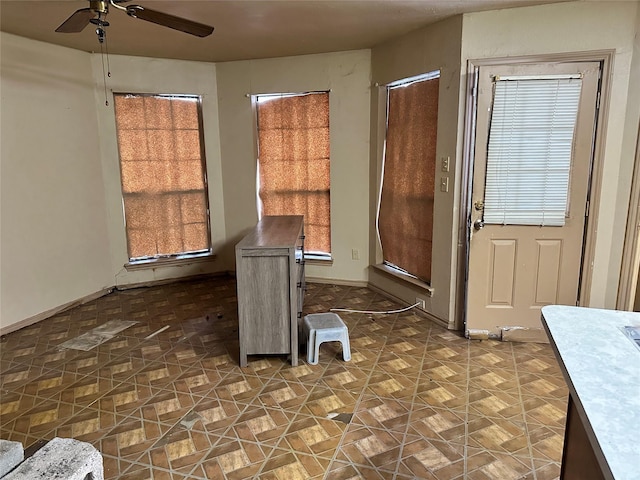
602,368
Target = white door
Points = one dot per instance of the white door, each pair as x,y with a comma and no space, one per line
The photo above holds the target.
532,161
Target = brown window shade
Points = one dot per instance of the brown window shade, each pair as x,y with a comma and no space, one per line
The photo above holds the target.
293,146
405,221
162,174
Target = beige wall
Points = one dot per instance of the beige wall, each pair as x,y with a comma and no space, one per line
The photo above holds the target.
578,27
570,27
436,47
54,243
347,76
63,234
150,75
630,135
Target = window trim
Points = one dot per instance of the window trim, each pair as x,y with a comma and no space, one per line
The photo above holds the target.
170,261
136,263
404,277
315,257
384,265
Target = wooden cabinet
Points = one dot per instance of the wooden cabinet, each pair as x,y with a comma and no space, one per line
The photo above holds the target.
270,282
579,461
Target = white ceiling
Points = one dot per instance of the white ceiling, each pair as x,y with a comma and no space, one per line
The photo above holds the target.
244,29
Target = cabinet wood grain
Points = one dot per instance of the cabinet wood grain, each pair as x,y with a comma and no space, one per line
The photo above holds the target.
270,282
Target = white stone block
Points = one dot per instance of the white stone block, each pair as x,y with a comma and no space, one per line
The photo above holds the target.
11,454
61,459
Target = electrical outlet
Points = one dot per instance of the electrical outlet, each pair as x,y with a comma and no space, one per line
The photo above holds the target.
421,304
355,254
444,184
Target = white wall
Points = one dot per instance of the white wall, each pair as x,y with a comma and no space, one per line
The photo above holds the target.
54,243
152,75
347,75
579,27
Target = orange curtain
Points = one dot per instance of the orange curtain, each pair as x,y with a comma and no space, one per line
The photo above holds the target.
162,174
293,153
405,220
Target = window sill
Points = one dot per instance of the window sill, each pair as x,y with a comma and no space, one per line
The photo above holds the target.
408,279
169,261
317,260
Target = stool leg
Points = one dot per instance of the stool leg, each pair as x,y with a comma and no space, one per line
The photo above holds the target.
311,345
346,347
316,350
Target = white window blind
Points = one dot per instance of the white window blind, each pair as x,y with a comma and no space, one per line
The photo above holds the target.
529,153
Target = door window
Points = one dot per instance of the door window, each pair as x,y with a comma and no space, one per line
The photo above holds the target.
531,135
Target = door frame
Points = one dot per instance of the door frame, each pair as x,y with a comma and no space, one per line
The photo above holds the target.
631,253
605,58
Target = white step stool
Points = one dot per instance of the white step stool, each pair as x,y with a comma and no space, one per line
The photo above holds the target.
325,327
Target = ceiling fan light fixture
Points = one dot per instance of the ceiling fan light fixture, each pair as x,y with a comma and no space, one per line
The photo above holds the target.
81,18
99,6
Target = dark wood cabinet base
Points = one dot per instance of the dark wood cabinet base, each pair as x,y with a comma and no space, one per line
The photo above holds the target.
579,461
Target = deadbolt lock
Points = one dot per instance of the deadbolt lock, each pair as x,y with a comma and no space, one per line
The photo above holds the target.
479,205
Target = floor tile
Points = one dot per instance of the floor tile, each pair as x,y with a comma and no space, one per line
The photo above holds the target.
424,458
383,413
442,394
313,436
343,470
371,447
438,423
415,401
261,425
283,464
497,435
485,465
323,401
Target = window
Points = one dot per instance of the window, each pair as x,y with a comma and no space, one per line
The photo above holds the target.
533,122
293,163
405,217
162,167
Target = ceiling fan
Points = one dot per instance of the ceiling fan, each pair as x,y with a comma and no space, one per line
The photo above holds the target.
97,12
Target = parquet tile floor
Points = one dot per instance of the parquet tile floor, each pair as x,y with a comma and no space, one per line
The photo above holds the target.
417,401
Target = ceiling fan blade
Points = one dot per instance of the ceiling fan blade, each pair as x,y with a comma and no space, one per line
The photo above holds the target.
171,21
77,21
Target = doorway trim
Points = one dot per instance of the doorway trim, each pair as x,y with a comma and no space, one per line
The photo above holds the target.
631,253
605,58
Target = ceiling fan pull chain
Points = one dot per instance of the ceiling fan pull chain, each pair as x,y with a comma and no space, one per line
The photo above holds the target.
106,48
104,77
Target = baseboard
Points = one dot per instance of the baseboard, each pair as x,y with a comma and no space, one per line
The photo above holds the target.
54,311
335,281
165,281
422,313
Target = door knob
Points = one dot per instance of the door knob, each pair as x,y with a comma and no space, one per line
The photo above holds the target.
478,224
